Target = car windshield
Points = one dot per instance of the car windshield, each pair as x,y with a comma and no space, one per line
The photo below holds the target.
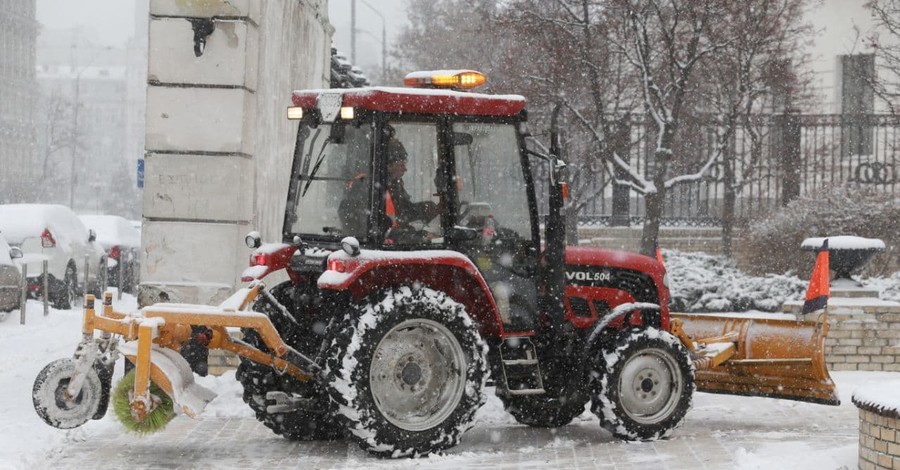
333,177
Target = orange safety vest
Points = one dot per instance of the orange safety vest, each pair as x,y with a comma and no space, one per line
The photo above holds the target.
389,209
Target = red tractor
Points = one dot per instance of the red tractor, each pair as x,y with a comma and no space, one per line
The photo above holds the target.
418,275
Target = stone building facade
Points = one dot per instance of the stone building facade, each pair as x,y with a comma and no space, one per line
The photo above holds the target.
218,146
18,36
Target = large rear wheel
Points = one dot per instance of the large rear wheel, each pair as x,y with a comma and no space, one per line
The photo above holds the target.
407,373
644,385
290,408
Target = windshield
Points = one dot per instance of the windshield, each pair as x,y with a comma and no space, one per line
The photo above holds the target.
331,186
490,179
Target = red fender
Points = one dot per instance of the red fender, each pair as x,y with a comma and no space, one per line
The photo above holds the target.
443,270
268,258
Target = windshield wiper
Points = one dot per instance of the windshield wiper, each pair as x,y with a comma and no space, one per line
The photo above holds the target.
312,175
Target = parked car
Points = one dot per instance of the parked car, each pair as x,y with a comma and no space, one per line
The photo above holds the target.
54,233
122,244
10,277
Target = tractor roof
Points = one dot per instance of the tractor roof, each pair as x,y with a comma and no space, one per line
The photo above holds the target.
418,100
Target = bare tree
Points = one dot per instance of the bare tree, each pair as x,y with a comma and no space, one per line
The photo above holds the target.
758,63
606,62
885,41
59,133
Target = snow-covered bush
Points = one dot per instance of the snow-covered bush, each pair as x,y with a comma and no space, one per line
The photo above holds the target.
773,243
700,282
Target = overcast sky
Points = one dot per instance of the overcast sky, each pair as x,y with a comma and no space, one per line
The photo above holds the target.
111,22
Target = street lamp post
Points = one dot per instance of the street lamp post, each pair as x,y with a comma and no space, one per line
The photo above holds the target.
74,180
383,37
75,134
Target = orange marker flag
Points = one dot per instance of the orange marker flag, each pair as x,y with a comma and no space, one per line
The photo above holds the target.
818,291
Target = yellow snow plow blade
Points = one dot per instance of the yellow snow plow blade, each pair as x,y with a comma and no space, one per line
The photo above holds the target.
768,357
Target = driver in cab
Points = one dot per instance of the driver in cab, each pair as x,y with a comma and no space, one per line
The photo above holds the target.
399,207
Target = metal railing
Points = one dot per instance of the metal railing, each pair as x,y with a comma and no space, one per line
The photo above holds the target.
776,158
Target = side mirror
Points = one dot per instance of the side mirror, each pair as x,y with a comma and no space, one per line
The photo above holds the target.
92,235
253,240
15,252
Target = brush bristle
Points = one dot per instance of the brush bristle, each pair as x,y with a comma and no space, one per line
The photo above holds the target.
155,421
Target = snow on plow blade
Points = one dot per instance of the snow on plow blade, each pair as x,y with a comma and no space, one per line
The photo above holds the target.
765,357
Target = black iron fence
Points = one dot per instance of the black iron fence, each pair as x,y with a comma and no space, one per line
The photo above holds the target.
773,160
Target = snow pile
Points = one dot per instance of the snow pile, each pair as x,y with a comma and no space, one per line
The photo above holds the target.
702,283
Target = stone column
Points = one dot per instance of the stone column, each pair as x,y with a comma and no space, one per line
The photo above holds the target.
218,146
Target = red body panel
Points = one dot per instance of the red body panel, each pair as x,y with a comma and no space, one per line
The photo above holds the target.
445,271
414,100
598,257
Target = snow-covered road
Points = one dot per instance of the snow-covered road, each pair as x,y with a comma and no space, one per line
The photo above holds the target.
720,432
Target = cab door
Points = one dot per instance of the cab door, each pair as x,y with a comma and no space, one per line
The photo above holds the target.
493,222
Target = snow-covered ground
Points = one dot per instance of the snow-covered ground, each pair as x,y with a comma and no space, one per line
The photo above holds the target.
26,442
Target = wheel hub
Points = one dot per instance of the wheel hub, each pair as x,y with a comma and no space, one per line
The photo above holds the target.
411,373
63,400
417,374
649,385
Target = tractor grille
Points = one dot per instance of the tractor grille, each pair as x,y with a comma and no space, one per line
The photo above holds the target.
601,307
580,307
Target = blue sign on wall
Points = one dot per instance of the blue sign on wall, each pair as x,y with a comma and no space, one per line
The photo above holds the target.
140,174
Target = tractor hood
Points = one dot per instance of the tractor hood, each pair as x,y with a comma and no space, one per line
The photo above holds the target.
599,257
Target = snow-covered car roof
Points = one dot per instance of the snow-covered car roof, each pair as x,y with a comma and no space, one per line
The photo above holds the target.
113,230
21,221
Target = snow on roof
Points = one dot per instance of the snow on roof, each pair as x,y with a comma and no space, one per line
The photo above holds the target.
21,221
112,230
844,242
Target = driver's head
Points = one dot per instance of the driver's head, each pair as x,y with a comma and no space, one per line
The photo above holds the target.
396,159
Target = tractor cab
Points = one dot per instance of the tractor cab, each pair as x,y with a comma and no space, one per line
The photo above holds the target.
428,167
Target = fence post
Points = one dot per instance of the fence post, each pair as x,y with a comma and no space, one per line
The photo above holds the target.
24,297
788,124
87,272
120,275
45,267
620,144
103,275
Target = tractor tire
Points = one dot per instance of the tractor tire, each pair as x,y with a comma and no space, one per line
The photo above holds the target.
544,411
63,294
643,385
308,423
407,374
48,395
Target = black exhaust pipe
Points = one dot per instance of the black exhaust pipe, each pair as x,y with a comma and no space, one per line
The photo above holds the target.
555,233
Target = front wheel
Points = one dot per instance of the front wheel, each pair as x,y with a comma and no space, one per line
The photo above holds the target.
407,374
644,385
52,403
